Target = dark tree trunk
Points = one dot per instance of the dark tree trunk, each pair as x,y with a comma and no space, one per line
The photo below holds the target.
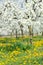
26,1
30,33
16,34
22,33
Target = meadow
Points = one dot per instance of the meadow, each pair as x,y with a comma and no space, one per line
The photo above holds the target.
20,51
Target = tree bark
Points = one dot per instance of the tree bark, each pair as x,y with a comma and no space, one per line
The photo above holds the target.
30,33
16,34
42,33
22,33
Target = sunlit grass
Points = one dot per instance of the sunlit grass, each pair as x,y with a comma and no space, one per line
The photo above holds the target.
20,52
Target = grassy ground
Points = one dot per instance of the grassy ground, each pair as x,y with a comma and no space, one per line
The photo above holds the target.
20,52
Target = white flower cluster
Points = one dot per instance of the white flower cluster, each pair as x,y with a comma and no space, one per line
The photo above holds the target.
12,17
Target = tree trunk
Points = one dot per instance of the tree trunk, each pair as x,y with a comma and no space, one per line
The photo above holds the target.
42,33
30,34
26,1
22,33
12,33
16,34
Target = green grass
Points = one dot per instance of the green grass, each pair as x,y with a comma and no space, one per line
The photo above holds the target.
26,55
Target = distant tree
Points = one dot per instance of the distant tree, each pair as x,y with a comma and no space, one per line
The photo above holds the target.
11,13
21,27
16,33
30,33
